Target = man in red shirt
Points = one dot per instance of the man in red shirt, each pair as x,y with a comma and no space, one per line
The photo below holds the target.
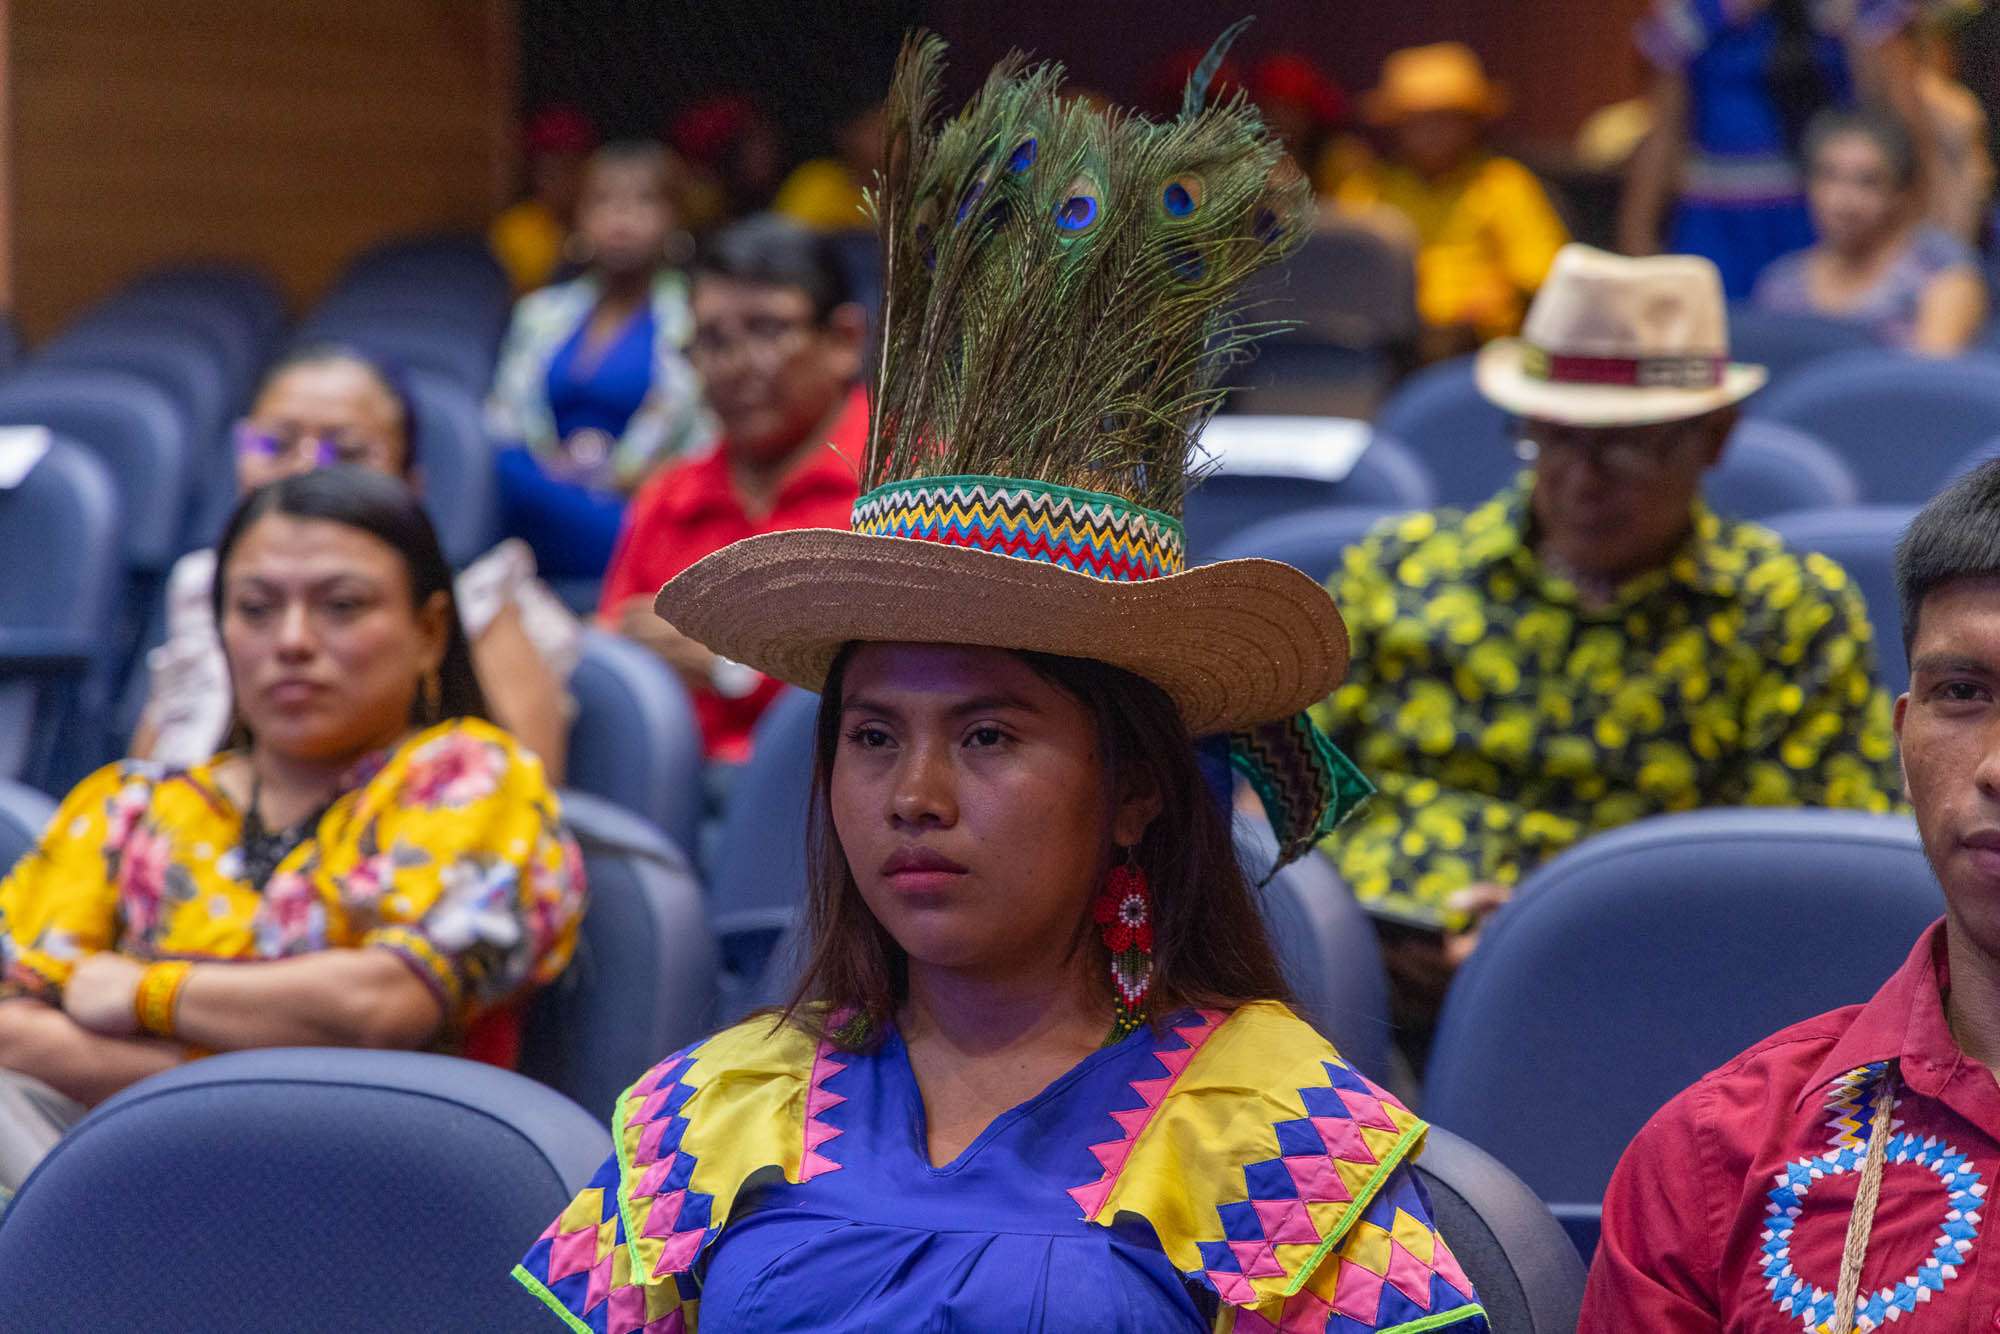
778,344
1833,1177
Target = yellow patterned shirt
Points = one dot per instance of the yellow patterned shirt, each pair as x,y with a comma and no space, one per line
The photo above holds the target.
445,850
1503,723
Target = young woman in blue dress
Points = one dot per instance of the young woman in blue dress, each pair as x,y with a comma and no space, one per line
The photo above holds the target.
1038,1073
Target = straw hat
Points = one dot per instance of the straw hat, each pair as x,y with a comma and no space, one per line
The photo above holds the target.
1056,298
1445,76
1617,341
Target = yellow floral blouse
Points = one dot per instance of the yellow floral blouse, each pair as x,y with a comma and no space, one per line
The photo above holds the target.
446,850
1502,722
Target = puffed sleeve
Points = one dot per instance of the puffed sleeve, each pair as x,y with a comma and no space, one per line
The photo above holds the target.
461,868
60,902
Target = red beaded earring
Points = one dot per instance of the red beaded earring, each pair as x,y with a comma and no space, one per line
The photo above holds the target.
1124,912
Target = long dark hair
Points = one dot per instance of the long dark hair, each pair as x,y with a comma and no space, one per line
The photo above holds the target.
1210,949
1793,75
387,510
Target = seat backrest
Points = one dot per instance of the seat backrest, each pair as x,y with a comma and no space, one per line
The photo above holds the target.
1528,1275
1327,947
1441,416
1310,540
412,341
1344,286
635,740
1386,476
300,1188
461,492
1769,468
758,882
1900,422
58,613
642,985
1784,343
1862,539
191,370
134,428
1636,962
24,813
249,291
237,335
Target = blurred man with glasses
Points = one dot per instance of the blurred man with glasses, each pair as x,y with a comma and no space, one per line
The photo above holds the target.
1593,645
778,343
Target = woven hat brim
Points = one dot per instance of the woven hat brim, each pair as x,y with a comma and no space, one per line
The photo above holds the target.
1233,644
1501,378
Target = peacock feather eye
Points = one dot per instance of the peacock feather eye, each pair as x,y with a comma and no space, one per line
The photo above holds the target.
1079,210
1267,228
1023,157
970,199
1182,196
1187,264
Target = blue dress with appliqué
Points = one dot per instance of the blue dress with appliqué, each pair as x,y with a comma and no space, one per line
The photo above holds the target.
1166,1183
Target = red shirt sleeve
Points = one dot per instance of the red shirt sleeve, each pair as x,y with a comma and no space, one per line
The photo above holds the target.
1658,1262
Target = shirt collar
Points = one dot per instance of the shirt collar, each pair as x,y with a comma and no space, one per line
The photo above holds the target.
830,468
1903,1022
1499,531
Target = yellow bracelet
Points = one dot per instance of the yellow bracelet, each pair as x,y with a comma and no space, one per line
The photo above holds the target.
158,993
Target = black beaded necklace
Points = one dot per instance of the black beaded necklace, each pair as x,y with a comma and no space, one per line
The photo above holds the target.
264,849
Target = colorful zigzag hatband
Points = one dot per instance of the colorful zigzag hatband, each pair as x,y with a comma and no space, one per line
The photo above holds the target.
1087,532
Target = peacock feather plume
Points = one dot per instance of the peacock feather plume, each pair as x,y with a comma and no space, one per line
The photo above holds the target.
1059,283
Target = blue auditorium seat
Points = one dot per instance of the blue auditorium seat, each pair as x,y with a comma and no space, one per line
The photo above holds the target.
461,493
1345,316
1310,540
1441,417
1386,476
1636,962
1327,947
246,290
1862,539
1528,1274
758,882
635,741
447,273
134,428
238,337
1899,421
642,985
24,813
1768,468
1786,343
57,627
298,1189
416,341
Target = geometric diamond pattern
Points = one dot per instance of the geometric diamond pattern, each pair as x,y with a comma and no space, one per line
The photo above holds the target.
1298,1204
673,1221
1392,1271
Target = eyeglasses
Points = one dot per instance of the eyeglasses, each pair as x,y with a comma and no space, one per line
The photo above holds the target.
1627,453
315,451
761,338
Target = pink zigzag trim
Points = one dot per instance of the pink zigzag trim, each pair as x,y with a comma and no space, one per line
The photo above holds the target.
1113,1153
819,1100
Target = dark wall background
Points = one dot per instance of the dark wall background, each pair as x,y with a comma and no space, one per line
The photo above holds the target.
629,62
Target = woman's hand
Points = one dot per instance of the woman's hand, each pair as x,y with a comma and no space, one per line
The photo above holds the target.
101,992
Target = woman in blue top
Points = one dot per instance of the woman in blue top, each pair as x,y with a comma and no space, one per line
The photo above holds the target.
1737,82
1910,283
592,385
1038,1075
